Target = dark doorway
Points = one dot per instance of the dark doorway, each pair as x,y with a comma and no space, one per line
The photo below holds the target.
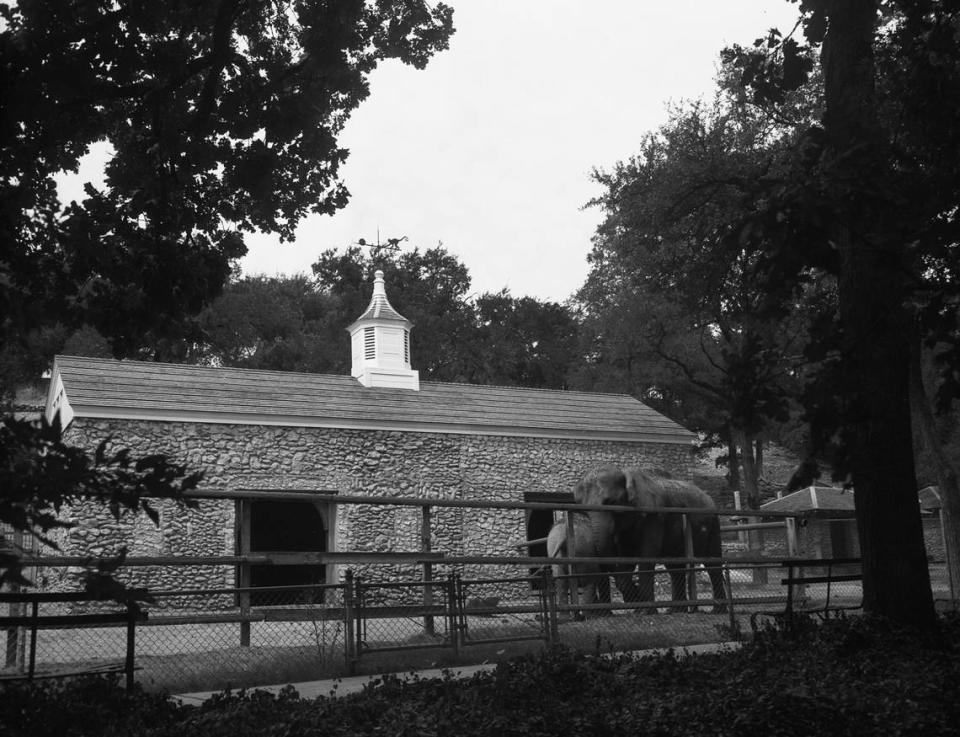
843,544
288,527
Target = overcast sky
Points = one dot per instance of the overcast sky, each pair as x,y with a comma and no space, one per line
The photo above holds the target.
489,149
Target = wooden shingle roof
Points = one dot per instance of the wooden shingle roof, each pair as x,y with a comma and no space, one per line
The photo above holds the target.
104,388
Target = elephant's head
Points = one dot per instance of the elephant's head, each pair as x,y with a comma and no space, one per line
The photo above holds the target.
632,487
619,532
606,485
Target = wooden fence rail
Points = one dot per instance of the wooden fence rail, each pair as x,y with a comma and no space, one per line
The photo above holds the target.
14,625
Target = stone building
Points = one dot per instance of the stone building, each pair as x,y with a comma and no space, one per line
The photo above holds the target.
259,435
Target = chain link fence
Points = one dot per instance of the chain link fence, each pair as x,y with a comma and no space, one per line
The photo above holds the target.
209,639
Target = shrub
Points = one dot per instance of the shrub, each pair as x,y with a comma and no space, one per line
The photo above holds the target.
849,677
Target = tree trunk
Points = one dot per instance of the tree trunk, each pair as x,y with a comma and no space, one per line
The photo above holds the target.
759,458
876,326
750,487
733,463
751,490
947,483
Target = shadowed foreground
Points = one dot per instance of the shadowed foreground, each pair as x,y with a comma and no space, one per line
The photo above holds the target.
849,677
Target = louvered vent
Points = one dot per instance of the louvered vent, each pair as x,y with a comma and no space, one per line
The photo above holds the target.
369,343
406,346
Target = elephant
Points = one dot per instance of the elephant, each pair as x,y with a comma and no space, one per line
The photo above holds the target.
594,586
650,534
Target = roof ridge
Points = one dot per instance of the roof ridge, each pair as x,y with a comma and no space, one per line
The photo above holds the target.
162,364
529,389
158,364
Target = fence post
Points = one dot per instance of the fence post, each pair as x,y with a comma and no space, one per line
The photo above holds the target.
573,584
728,585
132,611
550,595
790,523
425,546
756,539
15,609
741,536
691,567
14,634
244,571
454,612
349,614
34,613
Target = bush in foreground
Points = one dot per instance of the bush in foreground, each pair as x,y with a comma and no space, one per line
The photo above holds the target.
851,677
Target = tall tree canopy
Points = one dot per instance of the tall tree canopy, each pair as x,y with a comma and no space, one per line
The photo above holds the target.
489,339
671,302
299,323
222,117
842,222
429,288
873,200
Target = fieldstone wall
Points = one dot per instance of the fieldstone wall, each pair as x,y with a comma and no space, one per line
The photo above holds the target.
356,462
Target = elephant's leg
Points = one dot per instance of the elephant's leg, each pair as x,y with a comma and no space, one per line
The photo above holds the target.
707,544
645,585
626,585
588,593
596,590
603,588
678,586
719,589
563,585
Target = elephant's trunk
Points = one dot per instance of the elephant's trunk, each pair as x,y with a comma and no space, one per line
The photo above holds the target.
604,528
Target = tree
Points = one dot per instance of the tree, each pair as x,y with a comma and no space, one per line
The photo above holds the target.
673,296
39,474
493,339
279,324
429,288
521,341
222,118
873,201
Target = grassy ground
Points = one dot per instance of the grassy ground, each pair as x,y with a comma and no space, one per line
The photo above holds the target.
489,640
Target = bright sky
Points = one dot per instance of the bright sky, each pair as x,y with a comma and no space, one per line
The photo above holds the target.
489,149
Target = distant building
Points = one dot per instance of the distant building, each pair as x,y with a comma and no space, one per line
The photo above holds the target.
826,524
379,432
826,527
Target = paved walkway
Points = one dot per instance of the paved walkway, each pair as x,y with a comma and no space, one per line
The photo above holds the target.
352,684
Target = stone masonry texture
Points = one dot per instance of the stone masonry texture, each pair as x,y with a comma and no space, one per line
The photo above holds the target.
355,462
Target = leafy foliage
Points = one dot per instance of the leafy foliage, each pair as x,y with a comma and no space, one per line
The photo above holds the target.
40,474
297,323
674,301
221,118
876,183
849,677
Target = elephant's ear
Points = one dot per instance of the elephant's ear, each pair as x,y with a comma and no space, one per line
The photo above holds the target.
643,489
685,494
601,486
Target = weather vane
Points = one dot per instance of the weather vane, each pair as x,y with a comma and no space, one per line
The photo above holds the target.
391,244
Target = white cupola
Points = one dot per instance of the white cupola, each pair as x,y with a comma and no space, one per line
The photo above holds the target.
380,344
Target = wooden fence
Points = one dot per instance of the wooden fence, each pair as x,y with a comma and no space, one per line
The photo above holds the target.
450,609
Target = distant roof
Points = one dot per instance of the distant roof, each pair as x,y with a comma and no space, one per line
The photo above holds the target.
814,501
104,388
